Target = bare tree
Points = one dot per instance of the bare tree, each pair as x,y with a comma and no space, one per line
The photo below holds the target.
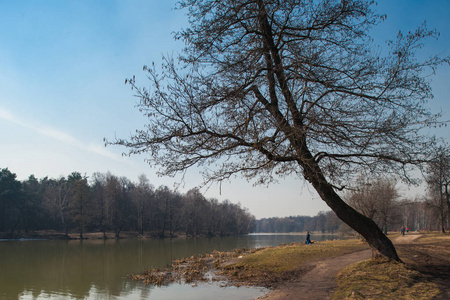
142,195
374,198
438,179
113,194
57,197
413,213
270,88
10,190
164,207
80,200
193,210
100,199
361,198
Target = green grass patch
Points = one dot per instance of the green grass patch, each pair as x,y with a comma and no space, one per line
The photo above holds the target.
383,279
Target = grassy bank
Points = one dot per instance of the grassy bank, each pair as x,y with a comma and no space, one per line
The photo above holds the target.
260,267
423,275
273,265
383,279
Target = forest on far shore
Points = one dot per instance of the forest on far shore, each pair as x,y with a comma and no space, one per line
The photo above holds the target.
108,203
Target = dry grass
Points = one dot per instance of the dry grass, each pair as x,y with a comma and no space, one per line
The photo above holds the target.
273,265
383,279
424,260
435,237
295,255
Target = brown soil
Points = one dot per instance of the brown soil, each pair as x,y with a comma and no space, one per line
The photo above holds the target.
320,282
430,259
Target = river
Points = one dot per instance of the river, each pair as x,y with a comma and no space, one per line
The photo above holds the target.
98,269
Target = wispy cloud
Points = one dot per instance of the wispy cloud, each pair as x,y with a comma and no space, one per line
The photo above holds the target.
58,135
6,115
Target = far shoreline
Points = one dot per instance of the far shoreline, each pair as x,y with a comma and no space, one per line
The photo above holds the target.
55,235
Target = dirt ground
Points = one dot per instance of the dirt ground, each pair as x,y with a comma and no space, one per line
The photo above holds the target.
430,259
320,282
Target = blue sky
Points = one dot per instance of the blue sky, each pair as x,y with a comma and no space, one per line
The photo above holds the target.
63,64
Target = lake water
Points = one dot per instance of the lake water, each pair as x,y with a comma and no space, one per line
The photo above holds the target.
98,269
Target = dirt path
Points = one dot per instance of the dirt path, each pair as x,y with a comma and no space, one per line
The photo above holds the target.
406,239
320,282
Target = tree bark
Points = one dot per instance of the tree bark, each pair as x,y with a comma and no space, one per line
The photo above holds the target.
380,244
448,201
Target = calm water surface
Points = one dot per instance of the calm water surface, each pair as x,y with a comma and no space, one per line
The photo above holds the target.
97,269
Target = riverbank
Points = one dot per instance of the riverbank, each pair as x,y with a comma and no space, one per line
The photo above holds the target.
263,267
55,235
425,273
327,270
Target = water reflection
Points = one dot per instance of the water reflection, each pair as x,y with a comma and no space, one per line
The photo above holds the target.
174,291
97,269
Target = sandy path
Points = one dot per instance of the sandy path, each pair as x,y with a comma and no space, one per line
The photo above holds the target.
407,238
320,282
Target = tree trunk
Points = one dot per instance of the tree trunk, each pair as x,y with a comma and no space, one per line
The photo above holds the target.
442,209
365,226
81,218
16,224
102,220
381,245
2,218
448,202
66,227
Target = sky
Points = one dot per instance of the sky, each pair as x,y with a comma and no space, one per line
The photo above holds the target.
63,65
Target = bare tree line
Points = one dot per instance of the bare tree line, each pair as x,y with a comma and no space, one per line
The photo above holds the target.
108,203
105,203
379,199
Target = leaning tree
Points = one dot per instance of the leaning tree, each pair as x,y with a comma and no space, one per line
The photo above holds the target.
268,88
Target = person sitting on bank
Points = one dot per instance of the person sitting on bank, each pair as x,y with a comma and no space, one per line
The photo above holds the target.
308,238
